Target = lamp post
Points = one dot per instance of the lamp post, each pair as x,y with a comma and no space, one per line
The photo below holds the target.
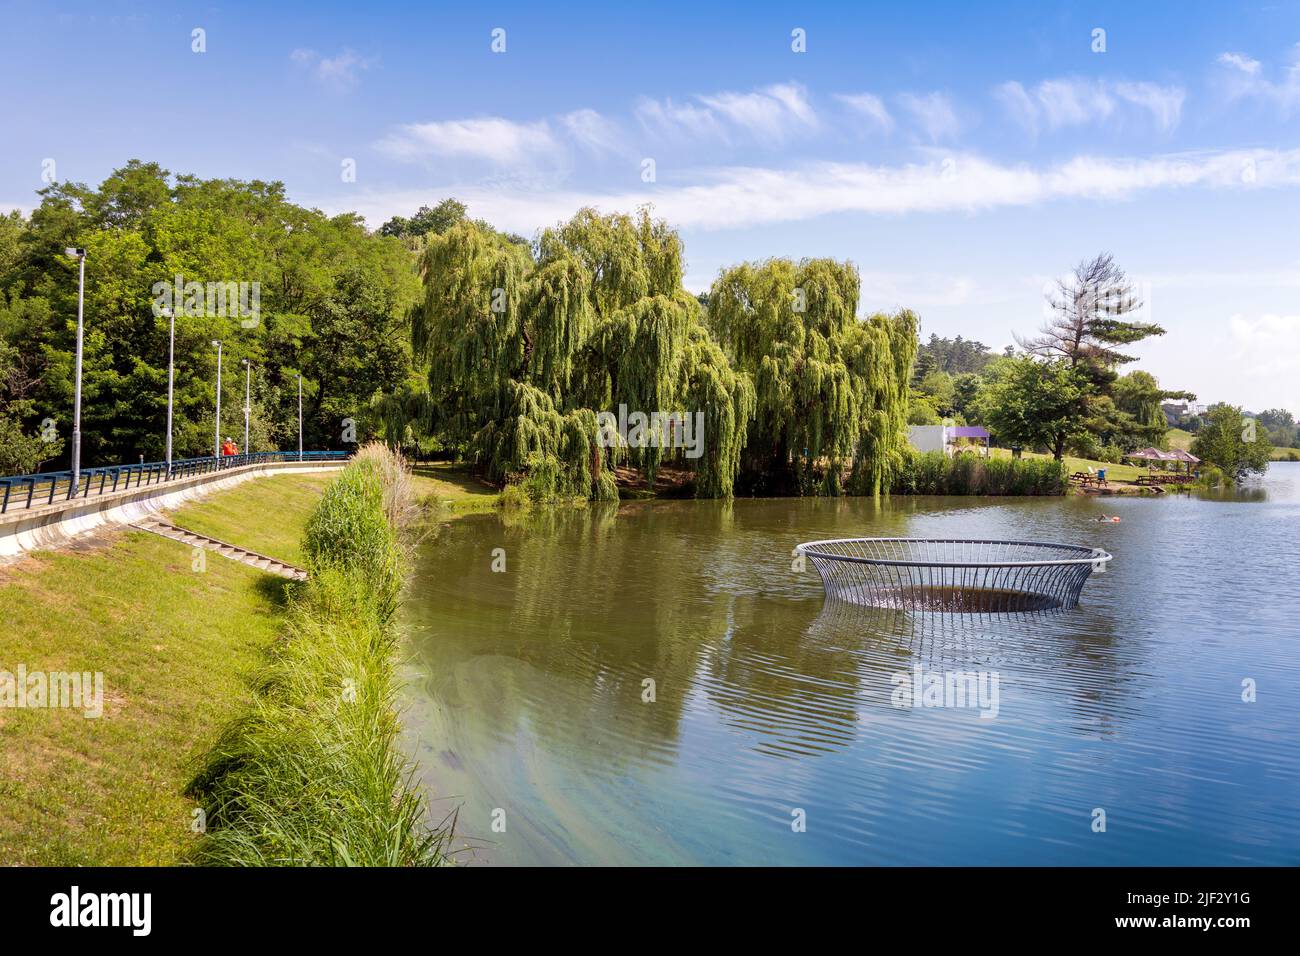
216,442
248,381
171,373
80,255
300,416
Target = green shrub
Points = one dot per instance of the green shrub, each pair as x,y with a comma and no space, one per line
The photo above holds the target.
513,497
1211,476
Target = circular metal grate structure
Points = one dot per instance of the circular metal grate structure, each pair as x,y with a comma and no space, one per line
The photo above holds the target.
953,574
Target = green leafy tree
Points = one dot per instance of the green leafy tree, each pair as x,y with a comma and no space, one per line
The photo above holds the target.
956,356
1232,443
1281,427
21,452
1140,396
965,391
1029,402
437,220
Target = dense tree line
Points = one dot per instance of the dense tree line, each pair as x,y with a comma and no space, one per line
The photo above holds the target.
442,333
332,305
439,332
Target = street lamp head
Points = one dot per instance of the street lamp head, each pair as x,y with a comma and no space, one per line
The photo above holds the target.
216,344
75,252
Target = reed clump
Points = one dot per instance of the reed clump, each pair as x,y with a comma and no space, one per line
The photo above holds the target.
311,776
934,473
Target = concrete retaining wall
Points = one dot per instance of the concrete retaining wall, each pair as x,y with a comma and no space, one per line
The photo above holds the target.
49,526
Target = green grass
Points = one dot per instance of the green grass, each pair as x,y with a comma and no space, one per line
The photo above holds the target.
177,649
1072,464
455,490
1113,472
265,515
312,775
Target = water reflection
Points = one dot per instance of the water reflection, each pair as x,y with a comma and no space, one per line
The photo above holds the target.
656,684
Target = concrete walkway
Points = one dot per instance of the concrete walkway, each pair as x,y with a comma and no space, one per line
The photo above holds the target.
47,526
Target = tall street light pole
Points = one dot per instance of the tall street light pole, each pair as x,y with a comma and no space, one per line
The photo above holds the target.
80,255
248,381
171,374
216,442
300,416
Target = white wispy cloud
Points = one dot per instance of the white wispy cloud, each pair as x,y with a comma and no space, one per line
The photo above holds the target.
933,113
593,132
1164,103
771,114
499,141
667,118
741,196
871,107
1243,78
1019,105
1062,102
340,71
1239,61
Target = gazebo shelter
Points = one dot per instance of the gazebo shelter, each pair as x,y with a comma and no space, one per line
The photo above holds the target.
973,432
1176,456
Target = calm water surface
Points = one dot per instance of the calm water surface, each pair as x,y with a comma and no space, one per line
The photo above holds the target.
525,689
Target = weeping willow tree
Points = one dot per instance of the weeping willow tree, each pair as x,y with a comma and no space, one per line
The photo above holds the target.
882,352
830,390
727,400
524,347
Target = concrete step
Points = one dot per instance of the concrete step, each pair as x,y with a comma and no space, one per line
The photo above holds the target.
165,529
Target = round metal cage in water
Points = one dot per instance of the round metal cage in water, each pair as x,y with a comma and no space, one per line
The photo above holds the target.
954,575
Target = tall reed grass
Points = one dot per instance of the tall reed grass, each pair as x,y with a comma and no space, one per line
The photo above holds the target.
312,776
934,473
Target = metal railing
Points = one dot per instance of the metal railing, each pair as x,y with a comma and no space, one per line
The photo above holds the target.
43,488
954,575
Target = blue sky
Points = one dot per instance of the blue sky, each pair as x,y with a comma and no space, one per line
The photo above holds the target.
961,156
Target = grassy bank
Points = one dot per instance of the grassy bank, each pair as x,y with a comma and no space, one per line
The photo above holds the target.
267,516
454,490
177,648
311,775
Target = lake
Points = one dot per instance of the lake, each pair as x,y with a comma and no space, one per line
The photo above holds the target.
773,730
